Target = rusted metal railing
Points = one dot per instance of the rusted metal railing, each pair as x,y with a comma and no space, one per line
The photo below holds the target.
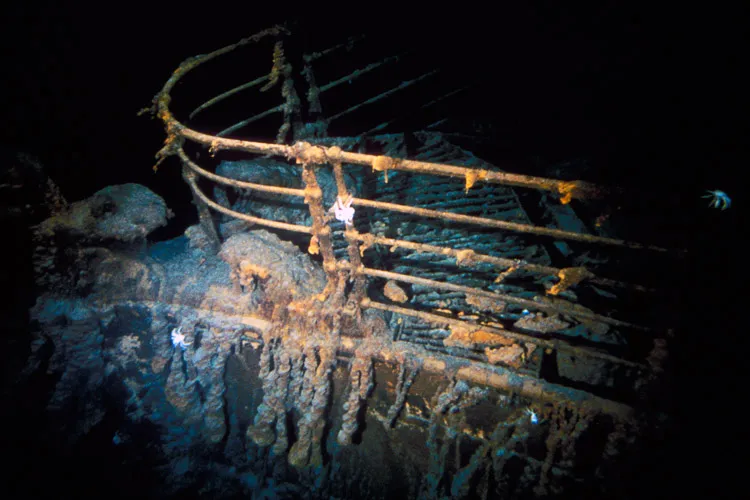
310,157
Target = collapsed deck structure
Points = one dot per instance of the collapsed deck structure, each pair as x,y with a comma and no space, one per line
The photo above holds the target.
362,311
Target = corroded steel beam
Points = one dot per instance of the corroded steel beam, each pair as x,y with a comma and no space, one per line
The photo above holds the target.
370,239
248,121
360,282
314,56
247,218
228,93
320,229
500,224
359,72
238,184
530,304
382,95
490,376
388,123
559,345
204,215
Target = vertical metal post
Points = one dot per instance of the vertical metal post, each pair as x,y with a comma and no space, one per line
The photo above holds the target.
351,235
320,229
204,216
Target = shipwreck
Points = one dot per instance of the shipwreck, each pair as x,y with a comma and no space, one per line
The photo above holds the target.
359,310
